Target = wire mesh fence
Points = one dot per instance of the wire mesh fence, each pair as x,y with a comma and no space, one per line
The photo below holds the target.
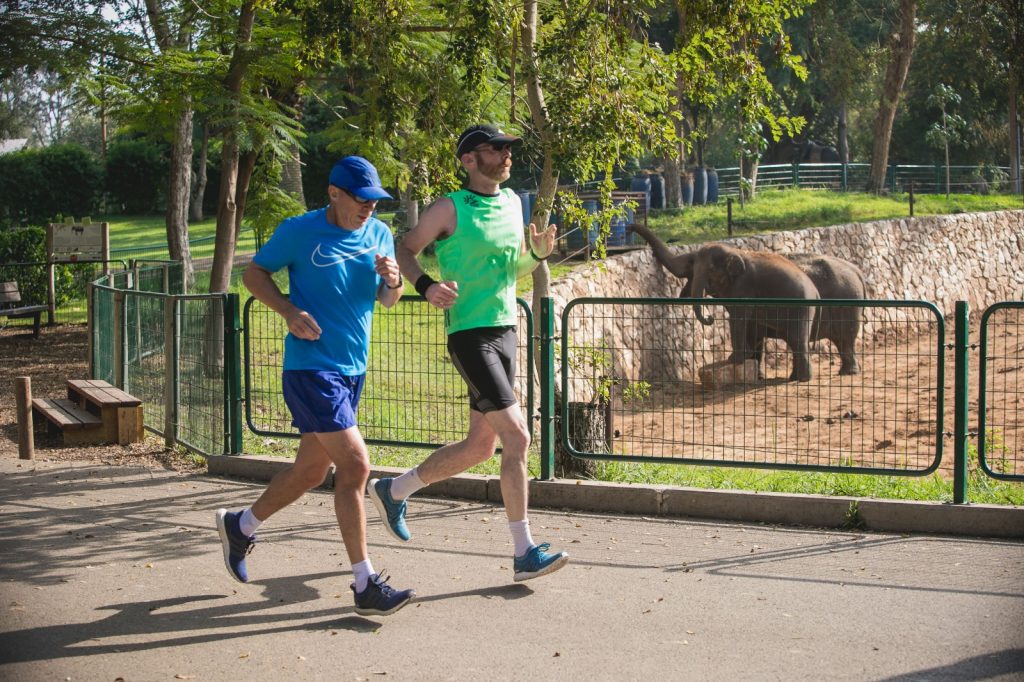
1001,391
173,352
413,395
644,381
70,284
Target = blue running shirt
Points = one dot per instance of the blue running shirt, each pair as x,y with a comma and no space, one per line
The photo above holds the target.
331,276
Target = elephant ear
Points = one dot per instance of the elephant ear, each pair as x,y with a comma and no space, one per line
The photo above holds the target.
735,265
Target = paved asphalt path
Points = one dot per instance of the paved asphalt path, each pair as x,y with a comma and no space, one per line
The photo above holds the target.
115,572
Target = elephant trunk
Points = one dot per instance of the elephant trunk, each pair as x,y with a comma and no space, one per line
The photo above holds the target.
678,266
697,291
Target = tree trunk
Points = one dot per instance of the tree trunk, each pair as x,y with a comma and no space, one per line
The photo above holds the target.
1014,130
228,216
895,77
844,143
291,175
586,425
178,195
195,210
673,187
412,208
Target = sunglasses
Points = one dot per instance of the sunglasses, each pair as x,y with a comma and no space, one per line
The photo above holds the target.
496,148
353,197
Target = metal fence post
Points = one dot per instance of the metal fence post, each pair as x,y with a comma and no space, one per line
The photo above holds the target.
120,339
892,186
232,375
960,379
171,384
547,388
796,176
844,182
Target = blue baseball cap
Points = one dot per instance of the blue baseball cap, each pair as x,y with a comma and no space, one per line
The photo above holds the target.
358,176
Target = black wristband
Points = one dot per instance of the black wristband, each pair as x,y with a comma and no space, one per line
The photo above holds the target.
423,283
400,283
538,258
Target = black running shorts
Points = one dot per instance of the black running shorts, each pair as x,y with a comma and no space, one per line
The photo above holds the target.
486,359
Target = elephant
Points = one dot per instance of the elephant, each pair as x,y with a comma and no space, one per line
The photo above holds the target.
808,151
724,271
834,278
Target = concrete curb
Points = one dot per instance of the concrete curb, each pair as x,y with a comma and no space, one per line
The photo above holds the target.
895,516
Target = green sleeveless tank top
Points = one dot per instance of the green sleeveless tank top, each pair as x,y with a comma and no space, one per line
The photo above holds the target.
481,256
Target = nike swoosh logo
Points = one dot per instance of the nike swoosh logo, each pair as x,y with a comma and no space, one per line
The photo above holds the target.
321,260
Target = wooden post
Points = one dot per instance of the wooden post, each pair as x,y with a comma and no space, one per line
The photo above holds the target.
23,398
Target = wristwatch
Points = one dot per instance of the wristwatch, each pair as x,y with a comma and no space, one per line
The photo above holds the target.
400,283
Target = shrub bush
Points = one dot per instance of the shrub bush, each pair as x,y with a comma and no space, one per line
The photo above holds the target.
39,185
136,176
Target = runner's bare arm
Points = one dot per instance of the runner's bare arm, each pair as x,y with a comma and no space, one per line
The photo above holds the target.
261,284
437,222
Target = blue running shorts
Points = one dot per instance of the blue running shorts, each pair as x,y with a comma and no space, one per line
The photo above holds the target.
321,401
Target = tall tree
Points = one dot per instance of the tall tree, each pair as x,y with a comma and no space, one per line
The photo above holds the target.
902,49
172,27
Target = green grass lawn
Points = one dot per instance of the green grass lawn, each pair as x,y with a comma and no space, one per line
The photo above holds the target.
775,210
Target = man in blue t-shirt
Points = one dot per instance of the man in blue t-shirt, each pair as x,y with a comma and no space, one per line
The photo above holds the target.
340,261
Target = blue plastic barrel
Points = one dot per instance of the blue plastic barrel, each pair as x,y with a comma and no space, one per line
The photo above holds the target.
700,186
657,191
687,186
712,185
528,201
642,183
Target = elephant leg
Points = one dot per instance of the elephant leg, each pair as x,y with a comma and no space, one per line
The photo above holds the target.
739,321
846,342
797,338
757,353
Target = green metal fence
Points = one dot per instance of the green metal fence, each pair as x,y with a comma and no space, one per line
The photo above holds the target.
1001,391
642,381
413,395
70,284
853,177
177,353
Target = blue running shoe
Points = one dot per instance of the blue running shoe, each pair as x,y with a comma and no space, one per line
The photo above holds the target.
236,545
379,490
379,598
537,562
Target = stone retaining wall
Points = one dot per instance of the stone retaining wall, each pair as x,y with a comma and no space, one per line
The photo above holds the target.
942,259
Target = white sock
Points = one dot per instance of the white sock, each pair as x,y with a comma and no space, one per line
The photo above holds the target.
362,572
521,536
248,523
405,485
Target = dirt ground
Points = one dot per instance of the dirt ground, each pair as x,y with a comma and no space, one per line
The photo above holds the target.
888,411
60,353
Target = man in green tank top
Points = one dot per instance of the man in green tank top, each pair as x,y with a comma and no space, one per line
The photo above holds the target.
481,251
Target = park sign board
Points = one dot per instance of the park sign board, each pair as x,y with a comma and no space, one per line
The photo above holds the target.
78,242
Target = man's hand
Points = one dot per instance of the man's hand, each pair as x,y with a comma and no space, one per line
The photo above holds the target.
387,268
542,242
442,294
303,326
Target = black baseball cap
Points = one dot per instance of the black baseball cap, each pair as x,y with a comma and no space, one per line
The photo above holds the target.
480,134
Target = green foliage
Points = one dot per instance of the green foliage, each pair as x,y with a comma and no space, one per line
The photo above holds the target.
788,209
27,245
37,185
136,175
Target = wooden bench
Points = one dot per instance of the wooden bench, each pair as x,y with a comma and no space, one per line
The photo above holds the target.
80,427
120,412
10,306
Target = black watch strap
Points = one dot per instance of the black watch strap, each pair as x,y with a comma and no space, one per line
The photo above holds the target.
400,283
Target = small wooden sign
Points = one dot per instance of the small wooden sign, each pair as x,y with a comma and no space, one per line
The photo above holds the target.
78,242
